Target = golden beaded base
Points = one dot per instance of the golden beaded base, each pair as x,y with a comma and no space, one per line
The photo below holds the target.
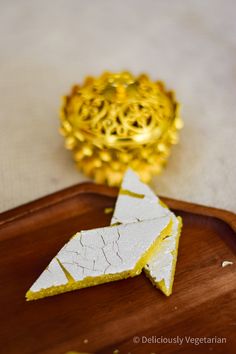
118,120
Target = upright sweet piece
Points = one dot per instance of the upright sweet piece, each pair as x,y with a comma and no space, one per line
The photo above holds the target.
160,268
101,255
137,202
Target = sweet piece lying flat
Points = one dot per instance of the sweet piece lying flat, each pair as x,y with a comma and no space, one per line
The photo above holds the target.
136,202
101,255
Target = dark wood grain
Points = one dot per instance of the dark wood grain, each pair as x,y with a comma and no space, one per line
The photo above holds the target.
109,316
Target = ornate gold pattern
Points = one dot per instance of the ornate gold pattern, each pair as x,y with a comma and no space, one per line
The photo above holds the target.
116,121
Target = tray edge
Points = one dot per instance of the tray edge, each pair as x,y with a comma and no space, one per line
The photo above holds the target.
92,188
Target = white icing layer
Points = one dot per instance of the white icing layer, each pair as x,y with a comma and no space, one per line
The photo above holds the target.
101,251
145,206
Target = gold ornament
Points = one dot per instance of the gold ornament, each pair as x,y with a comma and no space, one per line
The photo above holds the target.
118,121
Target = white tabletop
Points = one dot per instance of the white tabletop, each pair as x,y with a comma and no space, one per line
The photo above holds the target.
46,46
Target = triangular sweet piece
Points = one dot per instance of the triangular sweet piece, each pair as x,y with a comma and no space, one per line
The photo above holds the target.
101,255
136,202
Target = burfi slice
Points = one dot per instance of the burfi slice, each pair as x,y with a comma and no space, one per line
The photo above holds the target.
136,202
160,268
101,255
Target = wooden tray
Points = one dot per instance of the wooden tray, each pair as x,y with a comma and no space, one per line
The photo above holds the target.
106,318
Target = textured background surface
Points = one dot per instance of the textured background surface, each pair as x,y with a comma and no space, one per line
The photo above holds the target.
46,46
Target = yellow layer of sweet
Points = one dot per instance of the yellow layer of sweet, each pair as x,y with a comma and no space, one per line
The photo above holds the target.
91,281
163,204
161,284
131,194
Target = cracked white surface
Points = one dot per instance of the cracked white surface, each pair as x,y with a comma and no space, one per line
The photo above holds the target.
101,251
129,208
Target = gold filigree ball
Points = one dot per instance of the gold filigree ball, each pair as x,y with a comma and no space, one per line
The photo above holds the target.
118,120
